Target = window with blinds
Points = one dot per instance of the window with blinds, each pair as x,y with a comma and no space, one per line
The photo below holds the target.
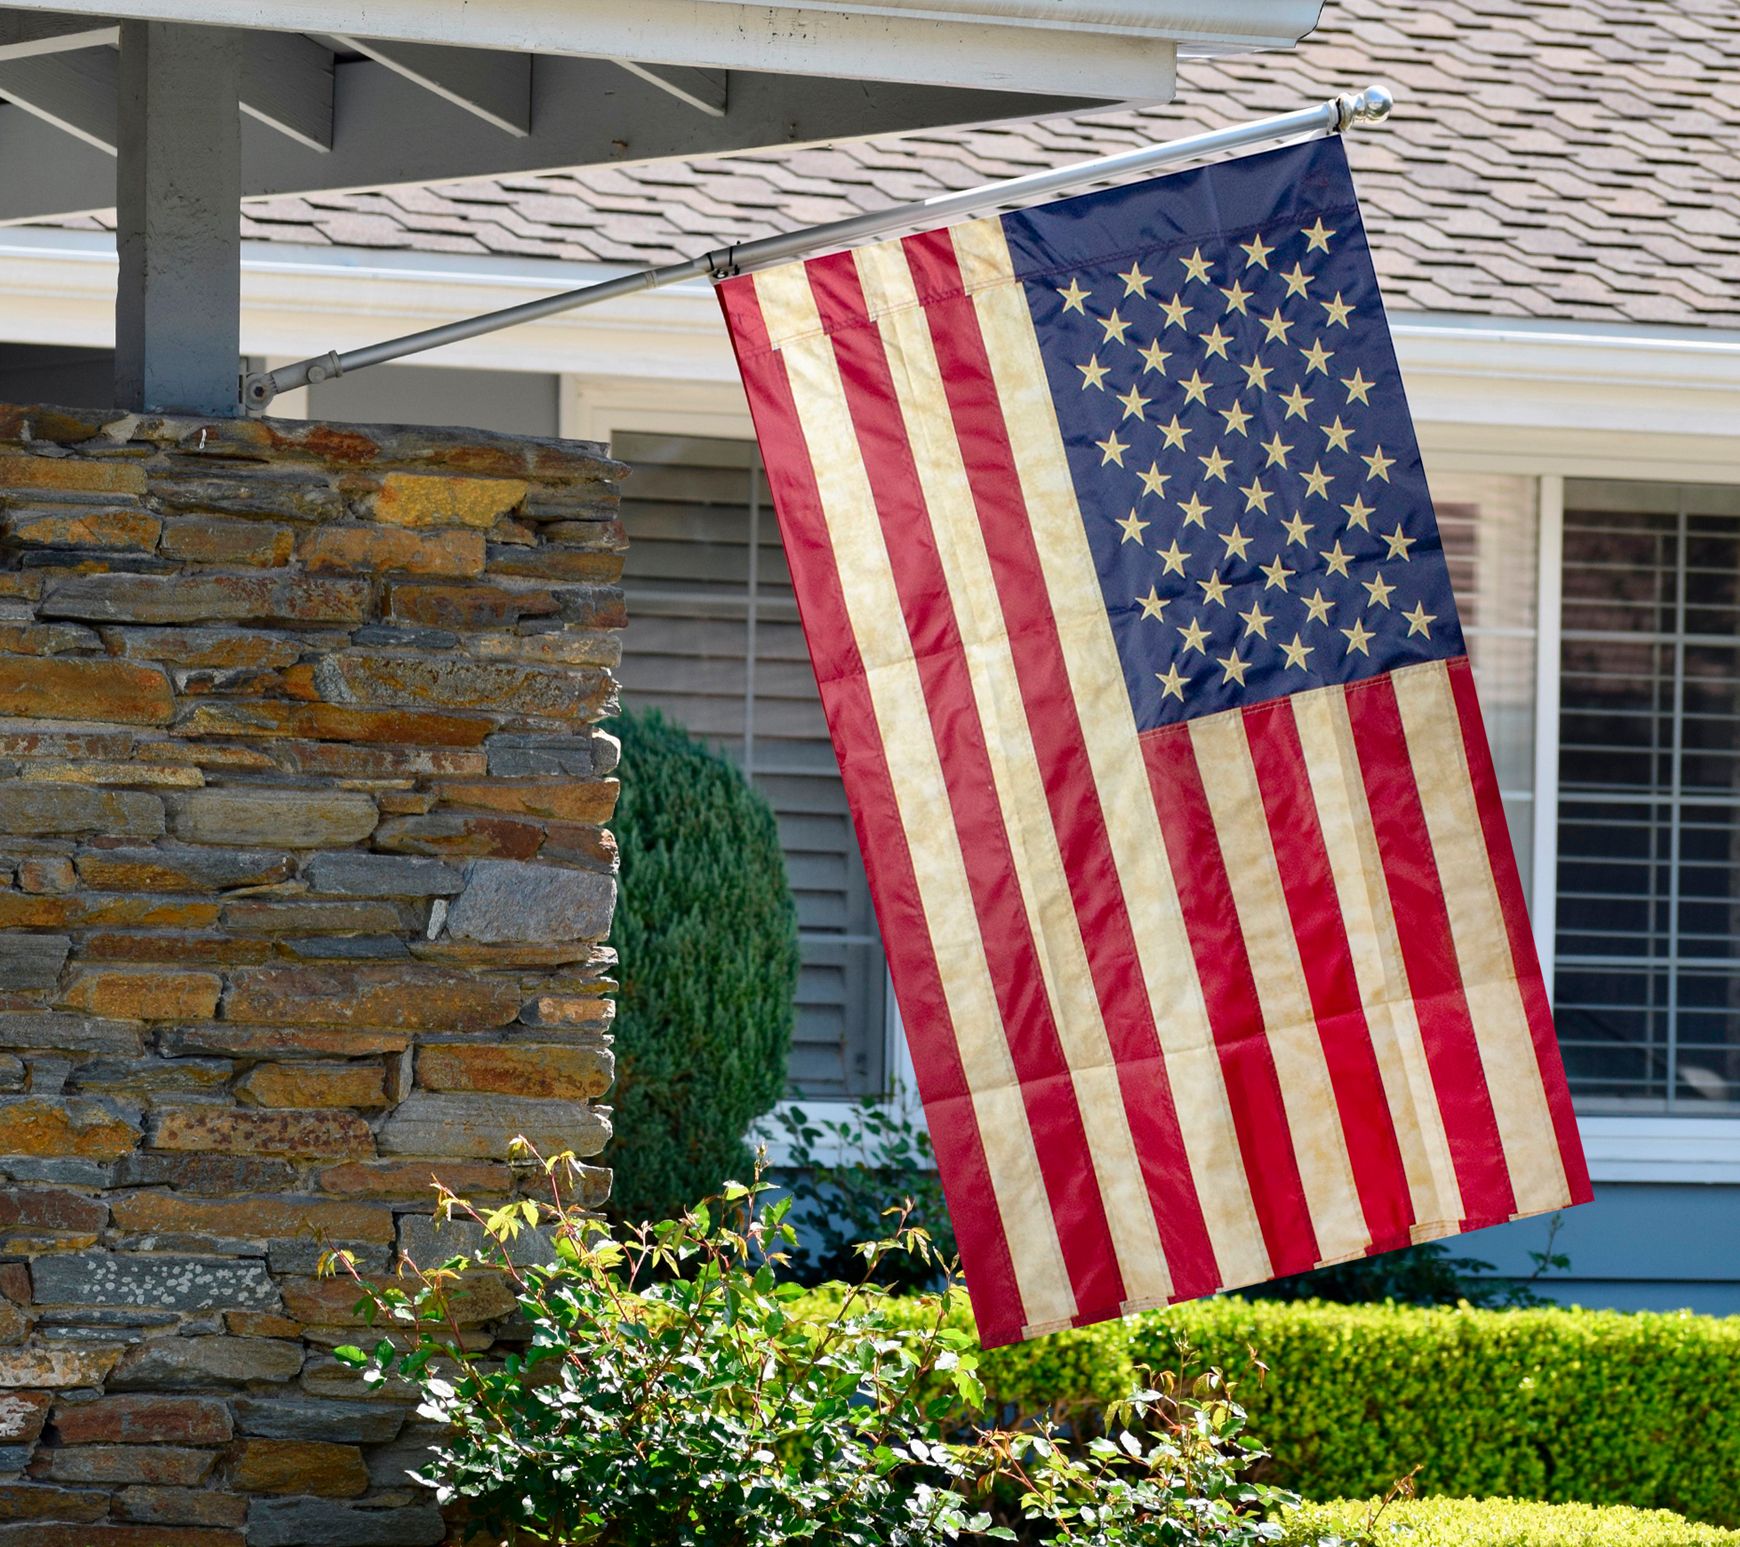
713,642
1648,977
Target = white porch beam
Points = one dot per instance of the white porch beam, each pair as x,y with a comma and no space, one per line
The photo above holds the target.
287,84
30,34
75,92
707,91
585,112
1099,50
493,86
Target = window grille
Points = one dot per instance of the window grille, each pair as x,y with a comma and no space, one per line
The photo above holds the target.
713,642
1648,916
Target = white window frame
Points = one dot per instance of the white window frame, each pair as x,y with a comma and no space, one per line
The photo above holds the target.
596,408
1620,1147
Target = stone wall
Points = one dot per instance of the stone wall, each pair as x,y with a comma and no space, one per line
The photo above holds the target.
305,875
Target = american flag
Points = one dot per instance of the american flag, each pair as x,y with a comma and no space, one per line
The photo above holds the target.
1136,641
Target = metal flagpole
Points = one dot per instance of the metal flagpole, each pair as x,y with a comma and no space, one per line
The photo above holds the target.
1331,117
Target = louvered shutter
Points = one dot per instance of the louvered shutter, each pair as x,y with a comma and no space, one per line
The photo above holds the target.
713,641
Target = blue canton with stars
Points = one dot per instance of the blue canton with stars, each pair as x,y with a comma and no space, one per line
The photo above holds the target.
1242,453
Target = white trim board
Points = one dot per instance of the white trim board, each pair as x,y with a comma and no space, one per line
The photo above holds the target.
1662,1149
1626,401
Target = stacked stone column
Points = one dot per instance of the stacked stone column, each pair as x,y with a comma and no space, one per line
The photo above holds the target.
303,884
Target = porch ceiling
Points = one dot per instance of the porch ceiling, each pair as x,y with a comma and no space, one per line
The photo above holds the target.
437,90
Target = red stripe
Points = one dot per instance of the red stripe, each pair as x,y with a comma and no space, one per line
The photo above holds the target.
1235,1015
1060,747
1516,922
1429,953
1302,857
1017,975
869,787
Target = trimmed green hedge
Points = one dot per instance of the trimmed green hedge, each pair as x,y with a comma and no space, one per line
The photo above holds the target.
1499,1523
1601,1407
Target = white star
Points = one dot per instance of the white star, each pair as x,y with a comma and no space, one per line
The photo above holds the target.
1195,267
1154,481
1134,403
1378,590
1115,327
1135,282
1173,558
1358,638
1399,544
1255,252
1236,542
1153,605
1296,653
1378,464
1154,358
1359,513
1420,621
1233,669
1214,589
1297,280
1194,636
1075,297
1257,621
1112,449
1236,297
1172,683
1276,574
1093,374
1357,388
1133,527
1316,238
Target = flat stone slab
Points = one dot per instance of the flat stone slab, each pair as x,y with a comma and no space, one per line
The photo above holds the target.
159,1281
509,900
382,875
482,1126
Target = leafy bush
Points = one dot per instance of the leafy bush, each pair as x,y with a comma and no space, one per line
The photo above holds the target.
708,940
1496,1523
668,1396
882,1154
1556,1404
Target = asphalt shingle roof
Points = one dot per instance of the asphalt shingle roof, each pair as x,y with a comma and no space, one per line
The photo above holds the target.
1566,159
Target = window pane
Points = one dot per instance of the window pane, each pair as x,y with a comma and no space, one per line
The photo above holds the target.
1490,527
713,641
1648,971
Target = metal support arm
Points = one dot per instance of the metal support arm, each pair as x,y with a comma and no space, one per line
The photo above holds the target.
1331,117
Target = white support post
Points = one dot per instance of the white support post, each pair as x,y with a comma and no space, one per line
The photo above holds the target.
178,220
1549,611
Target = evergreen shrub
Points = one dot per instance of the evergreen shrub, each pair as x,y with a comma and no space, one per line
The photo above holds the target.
1558,1404
707,937
1495,1523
